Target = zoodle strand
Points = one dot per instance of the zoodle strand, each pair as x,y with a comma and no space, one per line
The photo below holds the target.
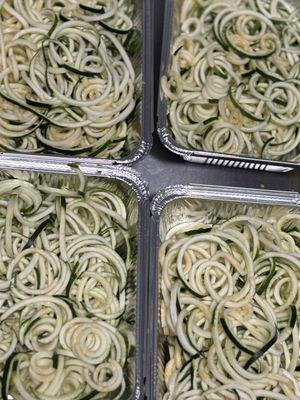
66,290
229,309
67,83
234,77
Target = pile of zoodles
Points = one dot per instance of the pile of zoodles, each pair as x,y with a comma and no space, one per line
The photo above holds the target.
67,290
67,83
234,78
230,309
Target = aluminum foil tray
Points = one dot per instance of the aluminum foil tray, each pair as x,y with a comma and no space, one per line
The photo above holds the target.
170,28
177,204
124,181
142,120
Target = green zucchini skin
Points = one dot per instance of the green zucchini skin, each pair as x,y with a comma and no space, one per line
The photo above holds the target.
226,60
221,311
53,222
76,86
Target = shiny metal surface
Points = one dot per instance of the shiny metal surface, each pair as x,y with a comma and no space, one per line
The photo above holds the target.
125,181
176,204
162,167
143,119
171,10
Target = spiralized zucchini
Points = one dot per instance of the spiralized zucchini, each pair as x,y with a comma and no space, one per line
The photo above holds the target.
67,83
67,289
234,77
229,309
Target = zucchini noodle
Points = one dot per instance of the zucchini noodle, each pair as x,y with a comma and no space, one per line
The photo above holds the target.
67,82
229,308
233,80
67,284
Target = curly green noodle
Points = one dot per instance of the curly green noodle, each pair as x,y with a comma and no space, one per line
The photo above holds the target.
66,283
233,79
67,82
229,308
